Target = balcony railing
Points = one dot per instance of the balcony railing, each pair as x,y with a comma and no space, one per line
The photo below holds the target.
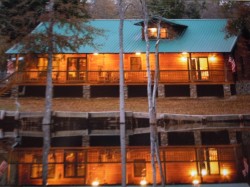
112,77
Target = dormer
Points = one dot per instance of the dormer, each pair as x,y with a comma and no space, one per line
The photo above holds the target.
169,29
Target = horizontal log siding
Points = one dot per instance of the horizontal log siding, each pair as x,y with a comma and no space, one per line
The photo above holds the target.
170,63
104,68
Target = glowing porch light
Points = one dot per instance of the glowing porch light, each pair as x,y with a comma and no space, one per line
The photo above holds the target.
203,172
95,183
212,58
184,59
224,172
193,173
96,53
137,53
143,182
195,182
184,56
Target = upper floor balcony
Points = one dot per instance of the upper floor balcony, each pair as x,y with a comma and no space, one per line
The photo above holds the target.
130,77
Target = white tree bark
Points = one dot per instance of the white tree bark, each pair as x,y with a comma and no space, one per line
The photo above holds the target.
122,103
154,143
46,123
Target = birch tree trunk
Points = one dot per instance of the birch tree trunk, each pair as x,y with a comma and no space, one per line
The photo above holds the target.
122,104
156,80
154,143
46,123
152,117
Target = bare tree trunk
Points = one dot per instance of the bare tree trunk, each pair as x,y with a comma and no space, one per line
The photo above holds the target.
154,142
156,80
47,119
122,104
152,116
46,123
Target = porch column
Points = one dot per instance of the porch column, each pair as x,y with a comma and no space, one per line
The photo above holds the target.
193,90
197,137
85,140
125,91
232,137
227,90
161,91
86,91
164,138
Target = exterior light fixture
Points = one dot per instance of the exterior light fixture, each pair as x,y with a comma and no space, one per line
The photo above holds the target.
184,56
95,183
203,172
143,182
137,53
193,173
195,182
183,59
224,172
212,58
96,54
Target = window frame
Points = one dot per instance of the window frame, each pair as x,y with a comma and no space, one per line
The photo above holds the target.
153,34
135,64
76,164
140,168
37,163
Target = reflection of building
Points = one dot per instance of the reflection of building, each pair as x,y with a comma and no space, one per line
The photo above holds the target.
85,148
193,57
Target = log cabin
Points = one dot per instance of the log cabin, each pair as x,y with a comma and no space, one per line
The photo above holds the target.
193,59
193,62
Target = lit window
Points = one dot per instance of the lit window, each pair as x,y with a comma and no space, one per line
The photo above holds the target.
139,168
210,165
135,63
152,33
37,167
74,164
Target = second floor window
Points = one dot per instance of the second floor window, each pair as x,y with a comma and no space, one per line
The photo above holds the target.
152,33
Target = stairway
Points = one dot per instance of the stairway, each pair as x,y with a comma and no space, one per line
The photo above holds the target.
5,86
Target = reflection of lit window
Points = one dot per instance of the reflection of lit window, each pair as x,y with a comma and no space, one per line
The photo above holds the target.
51,165
74,164
213,158
139,168
210,165
36,167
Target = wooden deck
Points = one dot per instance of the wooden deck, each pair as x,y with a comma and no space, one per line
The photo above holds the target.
131,77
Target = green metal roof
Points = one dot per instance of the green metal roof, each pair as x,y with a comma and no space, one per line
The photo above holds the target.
201,35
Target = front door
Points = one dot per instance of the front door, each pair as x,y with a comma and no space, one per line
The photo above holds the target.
76,68
199,69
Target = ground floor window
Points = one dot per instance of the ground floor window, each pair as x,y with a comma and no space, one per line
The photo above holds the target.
210,163
139,168
37,167
74,164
